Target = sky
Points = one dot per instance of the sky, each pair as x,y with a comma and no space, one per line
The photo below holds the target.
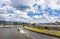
30,11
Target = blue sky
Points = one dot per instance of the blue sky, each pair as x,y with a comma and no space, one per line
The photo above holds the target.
31,11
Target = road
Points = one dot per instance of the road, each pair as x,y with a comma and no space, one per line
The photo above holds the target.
13,33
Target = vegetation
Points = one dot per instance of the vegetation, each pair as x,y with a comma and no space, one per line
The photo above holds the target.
24,25
50,32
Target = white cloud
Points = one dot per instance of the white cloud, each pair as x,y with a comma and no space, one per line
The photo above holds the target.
36,16
50,18
54,4
18,15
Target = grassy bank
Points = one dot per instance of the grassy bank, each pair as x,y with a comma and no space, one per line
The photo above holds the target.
50,32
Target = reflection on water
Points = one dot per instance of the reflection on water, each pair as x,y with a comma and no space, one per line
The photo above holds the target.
8,33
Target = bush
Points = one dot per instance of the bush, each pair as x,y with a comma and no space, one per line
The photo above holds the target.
23,25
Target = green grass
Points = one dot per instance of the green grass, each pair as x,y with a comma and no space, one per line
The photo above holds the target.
52,32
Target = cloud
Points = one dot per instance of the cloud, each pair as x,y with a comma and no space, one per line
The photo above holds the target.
23,10
22,7
54,4
37,17
22,4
